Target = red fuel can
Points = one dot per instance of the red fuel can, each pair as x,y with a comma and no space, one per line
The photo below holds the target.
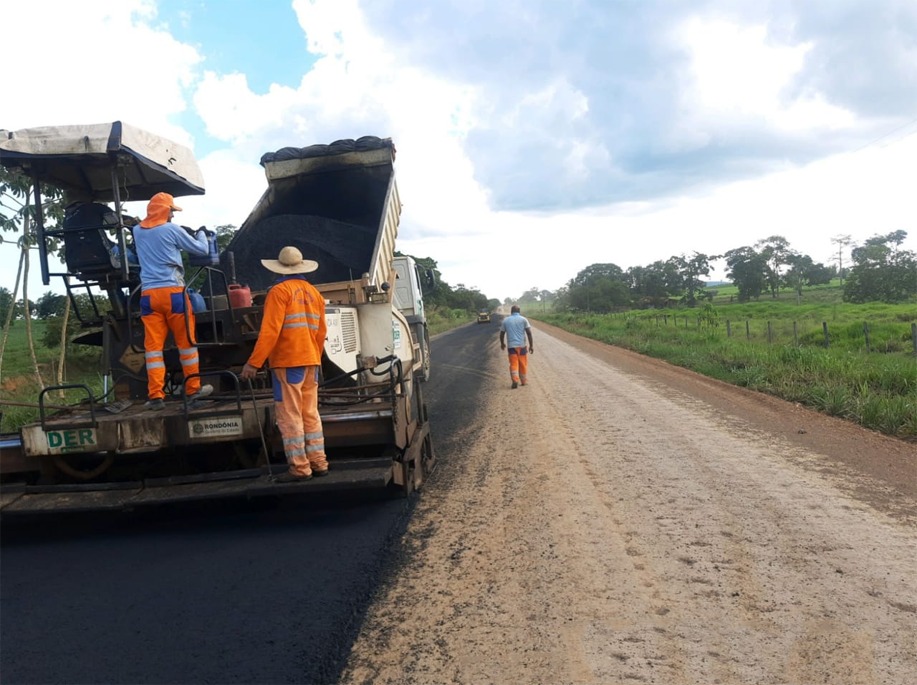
240,295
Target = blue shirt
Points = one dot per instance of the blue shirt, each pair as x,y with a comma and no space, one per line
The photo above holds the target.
515,326
159,251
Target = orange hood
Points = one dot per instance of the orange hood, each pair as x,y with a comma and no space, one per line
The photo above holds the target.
157,210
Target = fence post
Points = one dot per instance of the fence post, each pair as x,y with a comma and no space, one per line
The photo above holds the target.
914,337
747,330
770,335
795,336
824,327
729,333
866,334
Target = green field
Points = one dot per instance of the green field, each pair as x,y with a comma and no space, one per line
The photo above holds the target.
866,373
863,370
19,385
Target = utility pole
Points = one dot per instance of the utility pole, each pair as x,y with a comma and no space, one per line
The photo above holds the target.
841,241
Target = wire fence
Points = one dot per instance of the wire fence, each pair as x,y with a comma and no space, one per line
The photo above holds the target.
882,337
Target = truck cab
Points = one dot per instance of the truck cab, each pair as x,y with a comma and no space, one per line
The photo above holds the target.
409,279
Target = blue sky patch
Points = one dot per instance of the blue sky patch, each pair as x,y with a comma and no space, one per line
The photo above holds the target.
262,40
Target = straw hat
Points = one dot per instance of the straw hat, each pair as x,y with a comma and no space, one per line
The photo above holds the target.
290,261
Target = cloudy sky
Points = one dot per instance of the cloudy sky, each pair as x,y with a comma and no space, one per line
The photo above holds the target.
535,137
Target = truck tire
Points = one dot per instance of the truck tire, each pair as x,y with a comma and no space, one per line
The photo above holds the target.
424,374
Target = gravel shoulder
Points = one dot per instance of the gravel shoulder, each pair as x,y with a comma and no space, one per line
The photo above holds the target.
623,520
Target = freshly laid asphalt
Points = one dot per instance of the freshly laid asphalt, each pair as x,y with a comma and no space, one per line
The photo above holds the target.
221,592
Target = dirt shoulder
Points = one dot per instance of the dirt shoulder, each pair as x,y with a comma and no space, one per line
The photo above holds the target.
889,460
619,520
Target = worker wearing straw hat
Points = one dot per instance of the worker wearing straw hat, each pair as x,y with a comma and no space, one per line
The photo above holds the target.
291,339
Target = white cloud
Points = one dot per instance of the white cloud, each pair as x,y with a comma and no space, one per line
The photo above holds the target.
862,194
667,115
110,61
355,88
739,73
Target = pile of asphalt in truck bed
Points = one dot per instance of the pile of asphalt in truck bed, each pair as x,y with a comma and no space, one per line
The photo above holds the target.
343,251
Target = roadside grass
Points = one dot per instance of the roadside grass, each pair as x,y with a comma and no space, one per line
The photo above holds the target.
874,387
18,385
441,319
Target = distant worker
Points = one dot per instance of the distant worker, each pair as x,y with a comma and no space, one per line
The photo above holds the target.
514,330
163,306
292,338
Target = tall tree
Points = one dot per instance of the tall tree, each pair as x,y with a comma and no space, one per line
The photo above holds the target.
882,271
804,272
6,302
795,276
62,359
689,272
8,321
17,214
599,288
748,271
50,304
777,254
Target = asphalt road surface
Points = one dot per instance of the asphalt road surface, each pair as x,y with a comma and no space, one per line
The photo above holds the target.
616,520
209,593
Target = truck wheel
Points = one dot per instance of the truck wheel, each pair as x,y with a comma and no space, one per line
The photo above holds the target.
423,335
426,354
85,468
427,455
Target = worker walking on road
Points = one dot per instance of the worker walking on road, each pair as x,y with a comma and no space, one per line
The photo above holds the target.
164,305
514,330
292,338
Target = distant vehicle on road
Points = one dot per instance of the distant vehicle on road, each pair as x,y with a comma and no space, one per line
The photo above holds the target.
484,316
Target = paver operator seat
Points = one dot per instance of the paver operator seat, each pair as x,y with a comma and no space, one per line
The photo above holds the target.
88,252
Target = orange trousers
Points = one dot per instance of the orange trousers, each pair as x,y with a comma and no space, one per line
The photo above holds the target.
163,310
518,364
300,424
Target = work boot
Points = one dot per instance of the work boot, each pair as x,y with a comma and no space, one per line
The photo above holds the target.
290,477
514,385
205,391
155,405
319,467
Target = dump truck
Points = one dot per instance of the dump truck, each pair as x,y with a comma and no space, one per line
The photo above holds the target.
103,450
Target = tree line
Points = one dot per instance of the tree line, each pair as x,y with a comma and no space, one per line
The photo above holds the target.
437,293
880,270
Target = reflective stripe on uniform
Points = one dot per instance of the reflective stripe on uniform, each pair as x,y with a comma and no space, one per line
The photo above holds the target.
154,360
293,320
188,356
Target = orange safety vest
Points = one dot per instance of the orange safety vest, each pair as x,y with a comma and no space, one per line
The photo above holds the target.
292,327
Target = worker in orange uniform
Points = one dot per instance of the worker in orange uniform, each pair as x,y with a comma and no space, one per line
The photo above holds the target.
164,305
292,338
514,330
